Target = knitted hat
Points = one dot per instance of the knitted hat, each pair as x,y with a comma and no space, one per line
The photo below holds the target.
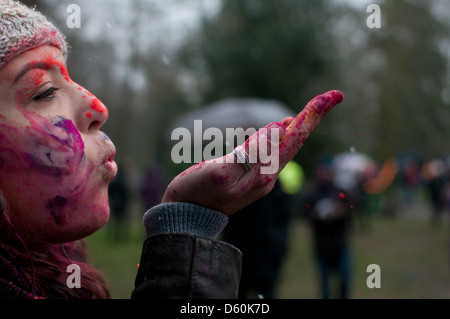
23,29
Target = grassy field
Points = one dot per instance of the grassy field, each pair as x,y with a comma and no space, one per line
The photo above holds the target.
412,255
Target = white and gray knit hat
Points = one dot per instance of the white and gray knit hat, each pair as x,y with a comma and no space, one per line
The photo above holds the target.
23,29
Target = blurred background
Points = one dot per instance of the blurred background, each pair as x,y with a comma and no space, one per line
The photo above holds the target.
387,145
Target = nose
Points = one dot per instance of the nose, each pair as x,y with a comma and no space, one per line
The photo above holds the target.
92,113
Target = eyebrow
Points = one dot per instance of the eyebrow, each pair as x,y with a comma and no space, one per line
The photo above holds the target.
31,66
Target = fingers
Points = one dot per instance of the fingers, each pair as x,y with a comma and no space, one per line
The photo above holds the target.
272,147
305,123
262,143
268,156
262,149
314,111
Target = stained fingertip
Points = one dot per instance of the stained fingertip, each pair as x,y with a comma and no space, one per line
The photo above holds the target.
328,101
317,108
337,96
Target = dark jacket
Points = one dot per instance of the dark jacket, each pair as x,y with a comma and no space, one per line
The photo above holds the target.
185,266
172,266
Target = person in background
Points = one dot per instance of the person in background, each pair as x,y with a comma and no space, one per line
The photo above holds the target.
261,232
329,215
152,185
434,172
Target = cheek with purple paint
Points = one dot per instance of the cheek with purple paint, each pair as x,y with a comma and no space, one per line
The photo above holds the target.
50,173
47,154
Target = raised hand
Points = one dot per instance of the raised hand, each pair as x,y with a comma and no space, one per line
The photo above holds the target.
226,185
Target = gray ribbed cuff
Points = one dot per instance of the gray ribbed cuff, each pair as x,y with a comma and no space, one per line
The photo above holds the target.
187,218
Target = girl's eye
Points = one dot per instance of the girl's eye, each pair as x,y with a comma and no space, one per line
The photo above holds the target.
47,94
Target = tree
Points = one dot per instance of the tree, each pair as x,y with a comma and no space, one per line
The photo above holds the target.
269,49
411,76
274,49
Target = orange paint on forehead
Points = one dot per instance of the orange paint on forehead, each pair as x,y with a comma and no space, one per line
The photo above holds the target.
51,60
95,103
36,77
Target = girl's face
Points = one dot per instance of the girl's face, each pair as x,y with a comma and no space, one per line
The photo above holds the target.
55,163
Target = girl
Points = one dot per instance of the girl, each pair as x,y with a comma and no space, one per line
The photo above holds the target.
56,164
